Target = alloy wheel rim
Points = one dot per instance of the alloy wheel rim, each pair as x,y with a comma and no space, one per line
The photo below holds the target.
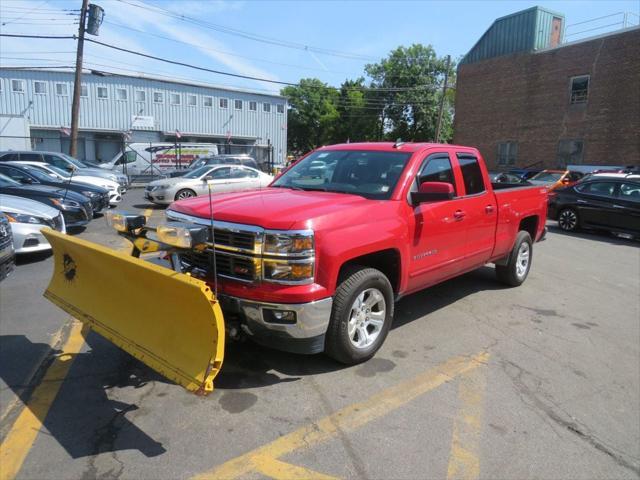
568,220
522,261
183,195
366,318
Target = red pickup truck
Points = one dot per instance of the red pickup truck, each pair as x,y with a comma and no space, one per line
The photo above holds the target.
316,261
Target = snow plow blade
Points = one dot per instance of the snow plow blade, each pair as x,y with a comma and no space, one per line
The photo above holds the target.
167,320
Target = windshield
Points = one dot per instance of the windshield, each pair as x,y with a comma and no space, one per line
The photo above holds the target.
8,182
371,174
547,176
59,171
197,173
39,174
75,161
197,163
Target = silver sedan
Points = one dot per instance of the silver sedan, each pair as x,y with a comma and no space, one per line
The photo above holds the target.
27,218
220,178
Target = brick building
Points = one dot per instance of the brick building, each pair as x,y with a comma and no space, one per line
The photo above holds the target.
524,98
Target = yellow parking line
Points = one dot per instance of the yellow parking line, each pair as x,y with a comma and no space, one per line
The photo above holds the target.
348,418
277,469
148,212
464,459
18,442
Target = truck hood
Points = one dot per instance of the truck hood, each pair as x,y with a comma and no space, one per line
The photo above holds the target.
281,209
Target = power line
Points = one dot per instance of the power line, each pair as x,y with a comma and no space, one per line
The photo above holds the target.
249,35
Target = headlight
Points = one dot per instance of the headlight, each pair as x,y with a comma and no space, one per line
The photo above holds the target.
288,271
124,222
22,218
65,203
182,235
298,243
90,194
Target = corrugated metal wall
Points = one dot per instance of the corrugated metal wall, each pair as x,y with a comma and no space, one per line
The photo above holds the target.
522,31
51,110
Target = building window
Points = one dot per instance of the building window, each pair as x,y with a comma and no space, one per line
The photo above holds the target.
507,153
0,84
237,104
61,89
192,100
174,98
266,107
17,86
84,91
103,93
253,106
280,108
224,103
121,94
579,89
141,96
39,87
158,97
207,102
570,152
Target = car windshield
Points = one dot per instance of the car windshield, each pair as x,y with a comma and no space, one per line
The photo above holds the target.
197,173
75,161
39,174
58,171
8,182
371,174
197,163
547,176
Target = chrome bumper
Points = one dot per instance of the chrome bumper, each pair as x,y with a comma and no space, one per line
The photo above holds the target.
306,335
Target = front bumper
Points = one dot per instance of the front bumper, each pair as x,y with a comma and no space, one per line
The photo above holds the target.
162,197
305,336
28,239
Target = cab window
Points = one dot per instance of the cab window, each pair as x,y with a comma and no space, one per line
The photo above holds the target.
14,173
30,157
220,173
239,173
471,174
630,192
56,162
437,169
601,189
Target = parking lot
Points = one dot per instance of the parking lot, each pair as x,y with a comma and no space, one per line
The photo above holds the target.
474,380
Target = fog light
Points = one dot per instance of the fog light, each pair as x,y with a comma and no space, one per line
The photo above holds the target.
123,221
283,317
182,235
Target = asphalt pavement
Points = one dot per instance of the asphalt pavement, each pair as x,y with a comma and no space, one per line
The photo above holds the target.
475,380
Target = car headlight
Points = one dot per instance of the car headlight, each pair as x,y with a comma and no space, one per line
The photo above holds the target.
287,271
90,194
298,244
182,235
22,218
65,203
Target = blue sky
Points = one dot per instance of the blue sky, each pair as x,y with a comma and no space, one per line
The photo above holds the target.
364,31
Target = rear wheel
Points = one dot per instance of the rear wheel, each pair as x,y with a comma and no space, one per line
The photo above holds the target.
515,272
185,193
568,220
361,315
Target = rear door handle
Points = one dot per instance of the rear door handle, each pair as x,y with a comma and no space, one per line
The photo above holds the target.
458,215
581,201
489,209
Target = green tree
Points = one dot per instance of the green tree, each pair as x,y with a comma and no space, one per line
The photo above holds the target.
312,116
411,81
360,113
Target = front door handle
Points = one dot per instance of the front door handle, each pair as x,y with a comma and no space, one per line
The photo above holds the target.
581,201
489,209
617,206
458,215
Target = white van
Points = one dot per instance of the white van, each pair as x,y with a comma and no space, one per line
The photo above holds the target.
156,158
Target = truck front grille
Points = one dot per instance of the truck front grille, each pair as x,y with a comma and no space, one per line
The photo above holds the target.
237,267
244,240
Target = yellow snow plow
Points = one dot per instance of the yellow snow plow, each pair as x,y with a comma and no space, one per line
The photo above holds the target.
168,320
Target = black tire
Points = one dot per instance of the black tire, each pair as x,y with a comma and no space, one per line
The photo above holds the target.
568,220
510,274
353,282
184,193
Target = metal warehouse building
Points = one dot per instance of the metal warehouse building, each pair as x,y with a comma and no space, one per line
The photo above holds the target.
118,108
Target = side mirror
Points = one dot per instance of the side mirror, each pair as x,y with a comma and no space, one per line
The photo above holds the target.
207,178
565,181
26,180
433,192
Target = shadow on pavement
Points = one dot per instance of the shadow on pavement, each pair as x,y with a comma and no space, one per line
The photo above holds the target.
27,258
596,236
152,206
82,418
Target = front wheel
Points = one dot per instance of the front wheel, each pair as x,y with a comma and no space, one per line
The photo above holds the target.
185,193
361,316
515,272
568,220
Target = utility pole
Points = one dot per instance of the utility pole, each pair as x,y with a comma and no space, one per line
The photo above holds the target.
444,91
75,106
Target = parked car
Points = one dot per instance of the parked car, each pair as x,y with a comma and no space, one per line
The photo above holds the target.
28,175
245,160
553,179
7,250
221,178
154,158
76,208
64,162
505,177
26,218
605,202
525,173
115,195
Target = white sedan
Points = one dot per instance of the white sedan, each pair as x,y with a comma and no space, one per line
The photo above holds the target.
220,178
115,191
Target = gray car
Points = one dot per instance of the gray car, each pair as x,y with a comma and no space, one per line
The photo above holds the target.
65,162
26,219
220,178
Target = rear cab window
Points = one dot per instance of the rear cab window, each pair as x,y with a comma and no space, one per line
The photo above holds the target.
471,174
